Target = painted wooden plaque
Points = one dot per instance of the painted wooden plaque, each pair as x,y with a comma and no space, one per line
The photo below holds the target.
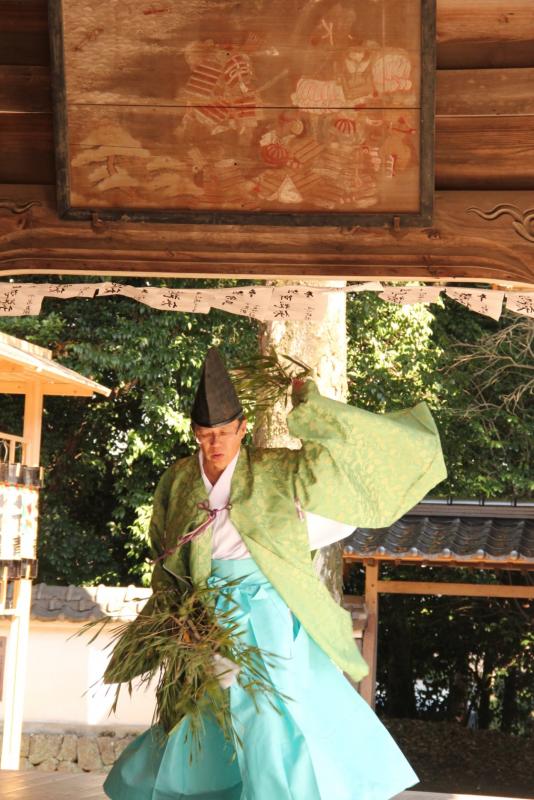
265,111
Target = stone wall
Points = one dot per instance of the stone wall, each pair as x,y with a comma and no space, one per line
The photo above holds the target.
72,752
446,756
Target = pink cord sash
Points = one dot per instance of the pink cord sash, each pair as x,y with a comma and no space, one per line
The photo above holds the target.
212,514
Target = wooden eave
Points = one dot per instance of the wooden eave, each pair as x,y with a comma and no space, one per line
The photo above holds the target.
22,367
462,513
460,245
484,160
518,564
463,508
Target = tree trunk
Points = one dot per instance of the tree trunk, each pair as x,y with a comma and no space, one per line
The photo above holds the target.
458,691
486,685
323,346
509,698
400,682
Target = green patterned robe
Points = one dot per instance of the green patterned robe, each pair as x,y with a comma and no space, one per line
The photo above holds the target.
354,467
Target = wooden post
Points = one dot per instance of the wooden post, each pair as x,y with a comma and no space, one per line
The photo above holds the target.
370,636
17,643
33,420
15,677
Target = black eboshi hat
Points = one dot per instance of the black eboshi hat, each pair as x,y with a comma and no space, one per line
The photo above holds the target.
216,402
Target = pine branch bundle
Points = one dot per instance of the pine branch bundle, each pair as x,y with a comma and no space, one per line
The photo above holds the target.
174,644
265,380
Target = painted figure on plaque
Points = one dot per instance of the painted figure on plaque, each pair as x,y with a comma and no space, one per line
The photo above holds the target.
243,524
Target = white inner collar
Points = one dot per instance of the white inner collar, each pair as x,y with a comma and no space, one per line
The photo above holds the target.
219,492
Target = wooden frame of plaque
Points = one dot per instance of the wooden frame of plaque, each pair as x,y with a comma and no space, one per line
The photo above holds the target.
320,115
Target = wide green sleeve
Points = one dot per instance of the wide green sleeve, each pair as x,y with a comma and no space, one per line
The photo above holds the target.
161,538
362,468
115,671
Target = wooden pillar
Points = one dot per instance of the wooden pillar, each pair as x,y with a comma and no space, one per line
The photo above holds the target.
15,675
370,636
17,643
33,421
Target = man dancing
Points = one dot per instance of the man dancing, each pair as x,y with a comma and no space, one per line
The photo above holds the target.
249,518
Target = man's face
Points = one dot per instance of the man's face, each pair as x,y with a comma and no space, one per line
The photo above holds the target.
220,445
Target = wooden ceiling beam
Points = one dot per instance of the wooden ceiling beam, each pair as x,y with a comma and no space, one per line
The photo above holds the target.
485,152
478,152
485,33
378,267
470,33
24,32
459,92
463,244
25,88
472,92
27,148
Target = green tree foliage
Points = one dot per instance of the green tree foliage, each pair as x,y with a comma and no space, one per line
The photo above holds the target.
103,456
438,657
450,655
399,355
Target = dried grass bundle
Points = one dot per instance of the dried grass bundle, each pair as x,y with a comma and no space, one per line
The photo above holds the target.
265,380
175,644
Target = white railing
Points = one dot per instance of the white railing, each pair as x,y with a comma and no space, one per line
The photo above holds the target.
12,448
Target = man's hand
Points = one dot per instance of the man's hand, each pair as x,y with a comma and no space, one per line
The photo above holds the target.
225,671
297,386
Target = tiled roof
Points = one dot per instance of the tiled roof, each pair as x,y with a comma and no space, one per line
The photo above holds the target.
464,532
432,530
80,603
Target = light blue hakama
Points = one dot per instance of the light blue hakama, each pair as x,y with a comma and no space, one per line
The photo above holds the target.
323,743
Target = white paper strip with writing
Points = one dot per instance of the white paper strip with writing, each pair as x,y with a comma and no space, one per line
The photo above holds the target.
65,291
247,301
521,303
298,303
186,300
16,300
483,301
409,295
